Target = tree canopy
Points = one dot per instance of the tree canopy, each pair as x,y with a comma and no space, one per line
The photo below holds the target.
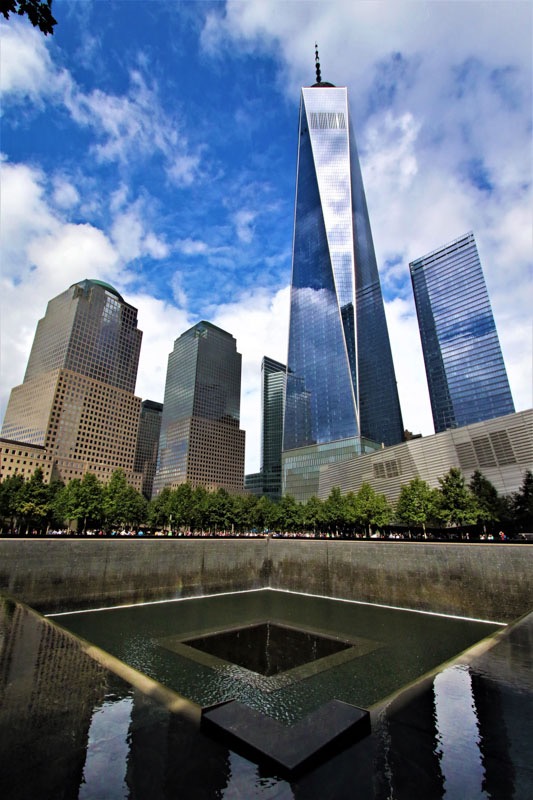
39,12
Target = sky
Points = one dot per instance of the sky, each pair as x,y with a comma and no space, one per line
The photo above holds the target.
153,145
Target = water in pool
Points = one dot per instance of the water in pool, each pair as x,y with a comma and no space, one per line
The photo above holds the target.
352,652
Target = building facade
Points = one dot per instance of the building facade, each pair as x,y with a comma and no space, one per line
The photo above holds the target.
341,384
465,370
148,444
200,441
501,448
77,399
267,481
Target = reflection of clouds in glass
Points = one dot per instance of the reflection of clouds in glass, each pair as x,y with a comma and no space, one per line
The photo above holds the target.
318,361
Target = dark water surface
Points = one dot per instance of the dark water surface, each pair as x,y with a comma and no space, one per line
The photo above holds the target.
387,648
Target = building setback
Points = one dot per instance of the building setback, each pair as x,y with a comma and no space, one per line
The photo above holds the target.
341,385
77,399
200,441
465,370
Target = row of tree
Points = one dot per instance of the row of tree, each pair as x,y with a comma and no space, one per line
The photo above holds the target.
88,504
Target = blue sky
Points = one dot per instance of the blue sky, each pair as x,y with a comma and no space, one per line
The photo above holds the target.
153,145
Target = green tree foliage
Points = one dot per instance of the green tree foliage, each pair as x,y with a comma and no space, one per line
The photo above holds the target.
417,504
522,504
334,510
10,491
370,509
489,503
33,501
457,504
123,505
314,515
39,12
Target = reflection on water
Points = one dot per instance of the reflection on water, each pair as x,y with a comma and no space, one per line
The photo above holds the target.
69,729
107,730
393,648
458,734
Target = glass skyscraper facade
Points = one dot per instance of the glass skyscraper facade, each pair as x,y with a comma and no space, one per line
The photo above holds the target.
200,441
77,399
465,370
148,443
340,379
273,376
340,375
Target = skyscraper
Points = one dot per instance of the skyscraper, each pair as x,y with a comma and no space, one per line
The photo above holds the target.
148,443
273,376
268,480
340,374
77,399
201,442
464,364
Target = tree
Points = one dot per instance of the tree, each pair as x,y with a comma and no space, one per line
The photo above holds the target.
158,513
522,503
489,503
370,509
417,503
33,500
287,514
39,12
123,505
334,510
314,514
10,491
457,504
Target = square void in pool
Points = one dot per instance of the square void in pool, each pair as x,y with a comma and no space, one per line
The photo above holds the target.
267,654
268,648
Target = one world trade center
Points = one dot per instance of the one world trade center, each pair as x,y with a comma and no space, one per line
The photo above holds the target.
340,374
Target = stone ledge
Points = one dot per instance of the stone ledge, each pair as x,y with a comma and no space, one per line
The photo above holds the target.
293,749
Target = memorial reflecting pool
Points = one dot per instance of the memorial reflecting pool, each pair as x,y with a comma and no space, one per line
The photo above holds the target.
70,728
377,650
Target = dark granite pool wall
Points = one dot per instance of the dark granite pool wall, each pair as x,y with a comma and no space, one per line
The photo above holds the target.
488,581
485,581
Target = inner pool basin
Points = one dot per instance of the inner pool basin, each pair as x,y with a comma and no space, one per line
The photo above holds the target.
279,653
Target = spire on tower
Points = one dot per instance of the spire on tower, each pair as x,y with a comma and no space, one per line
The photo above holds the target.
317,65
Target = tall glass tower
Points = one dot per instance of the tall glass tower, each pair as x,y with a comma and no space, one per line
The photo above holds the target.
77,399
340,374
464,364
200,441
273,376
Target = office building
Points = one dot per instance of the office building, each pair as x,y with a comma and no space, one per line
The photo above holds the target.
341,385
465,370
148,444
201,442
77,399
267,481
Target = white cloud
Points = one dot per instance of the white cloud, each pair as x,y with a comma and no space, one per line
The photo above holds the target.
259,322
65,194
244,225
25,64
131,237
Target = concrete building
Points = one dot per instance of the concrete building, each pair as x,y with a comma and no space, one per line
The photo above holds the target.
77,400
200,441
465,370
19,458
